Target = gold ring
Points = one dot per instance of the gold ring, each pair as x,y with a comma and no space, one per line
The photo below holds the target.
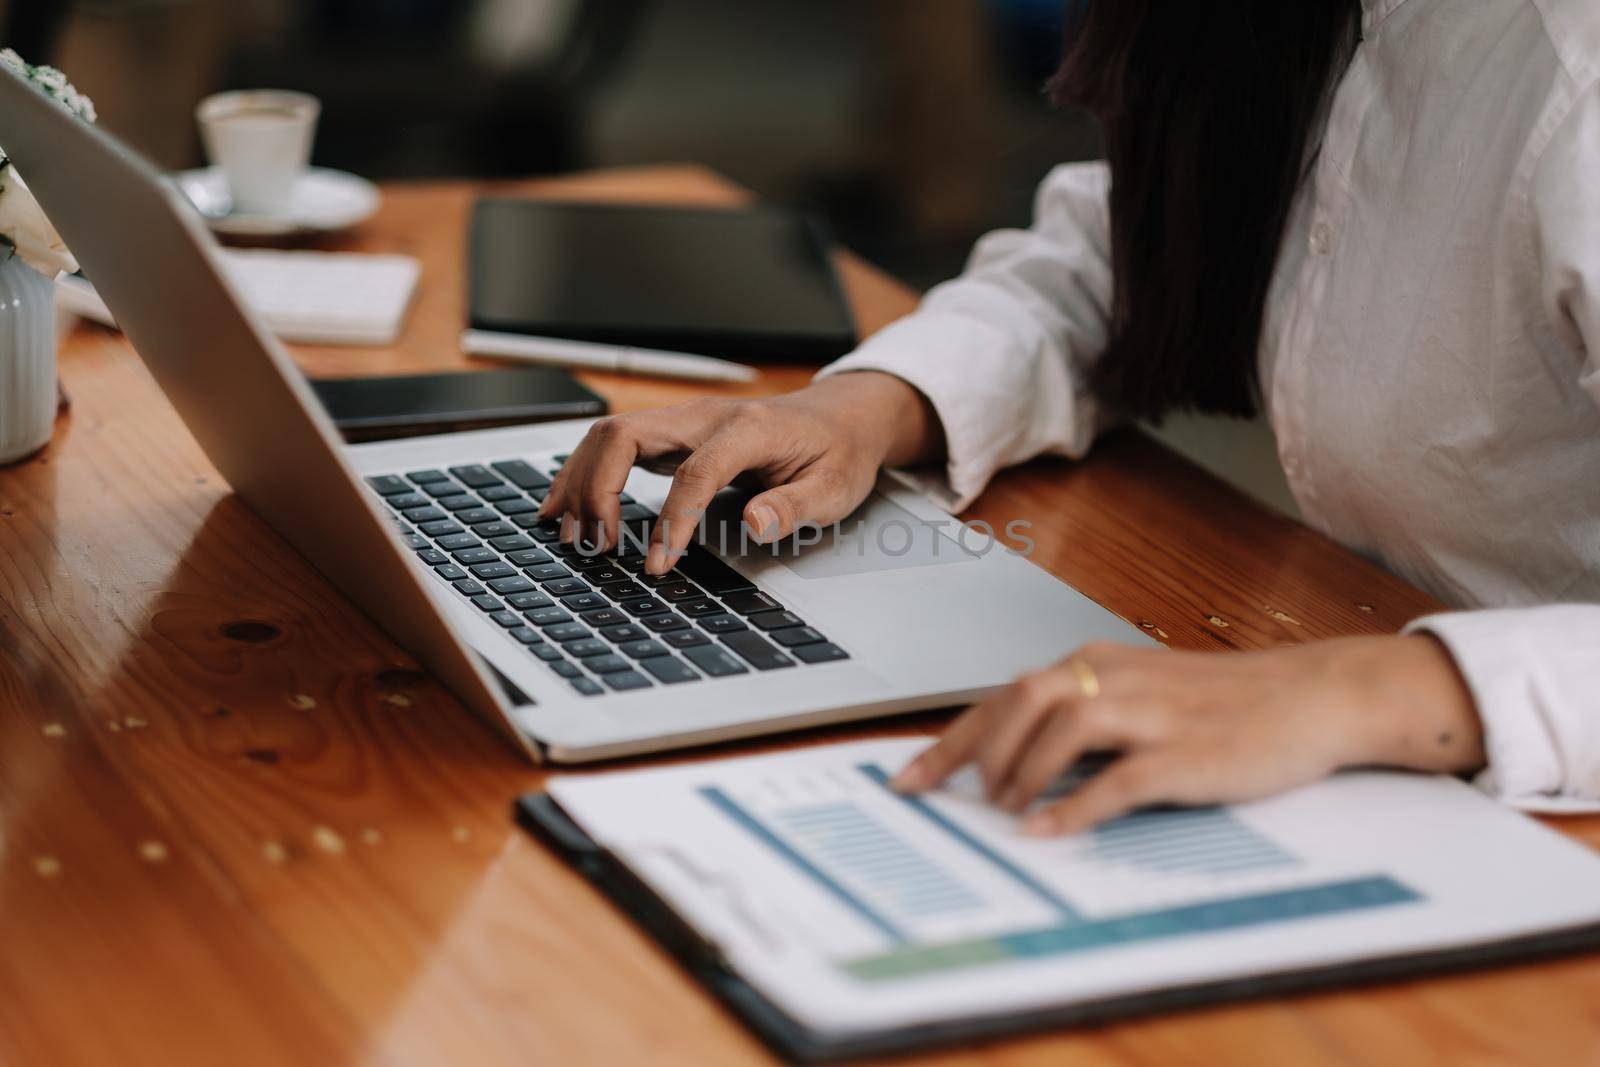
1088,681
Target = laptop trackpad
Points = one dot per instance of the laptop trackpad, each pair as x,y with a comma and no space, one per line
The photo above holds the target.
880,535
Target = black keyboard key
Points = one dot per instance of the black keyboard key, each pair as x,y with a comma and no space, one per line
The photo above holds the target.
634,512
527,635
607,664
405,501
468,587
565,669
624,590
497,569
450,572
416,541
422,515
457,541
754,650
528,601
442,528
715,661
551,616
622,681
530,557
496,493
424,477
799,635
515,543
514,584
633,562
477,516
565,587
669,670
700,609
548,653
469,557
475,475
645,605
459,503
643,649
549,572
685,638
545,531
432,556
589,563
604,617
388,484
722,624
520,506
491,531
626,631
567,631
655,581
603,573
520,474
711,573
666,623
485,602
674,592
776,620
508,619
587,686
560,459
748,603
443,489
823,653
583,602
587,648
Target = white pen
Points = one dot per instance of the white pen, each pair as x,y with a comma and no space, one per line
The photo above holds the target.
555,351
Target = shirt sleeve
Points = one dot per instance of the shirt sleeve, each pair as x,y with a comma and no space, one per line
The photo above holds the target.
1535,672
1002,351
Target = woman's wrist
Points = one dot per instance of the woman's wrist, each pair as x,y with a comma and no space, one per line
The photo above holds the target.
1410,707
893,419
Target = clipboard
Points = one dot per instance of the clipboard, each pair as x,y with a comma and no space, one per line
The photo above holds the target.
543,817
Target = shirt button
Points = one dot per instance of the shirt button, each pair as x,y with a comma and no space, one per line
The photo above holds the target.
1321,239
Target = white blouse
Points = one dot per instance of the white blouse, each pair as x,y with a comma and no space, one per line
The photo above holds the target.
1430,360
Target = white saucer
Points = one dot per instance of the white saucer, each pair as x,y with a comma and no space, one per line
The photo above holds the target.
323,201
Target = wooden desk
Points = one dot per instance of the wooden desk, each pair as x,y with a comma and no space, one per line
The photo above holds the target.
237,824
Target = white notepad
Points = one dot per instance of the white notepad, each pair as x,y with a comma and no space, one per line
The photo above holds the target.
339,298
853,910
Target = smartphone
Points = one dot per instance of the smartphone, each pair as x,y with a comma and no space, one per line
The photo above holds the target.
371,409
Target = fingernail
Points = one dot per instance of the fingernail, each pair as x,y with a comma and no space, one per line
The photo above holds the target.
1039,824
909,780
655,562
765,521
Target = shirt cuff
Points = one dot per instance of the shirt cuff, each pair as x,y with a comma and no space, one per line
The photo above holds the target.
1539,749
939,355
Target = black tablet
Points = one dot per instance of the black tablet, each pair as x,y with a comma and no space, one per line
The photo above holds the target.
755,284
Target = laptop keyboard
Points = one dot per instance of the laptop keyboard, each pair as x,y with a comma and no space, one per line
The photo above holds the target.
596,620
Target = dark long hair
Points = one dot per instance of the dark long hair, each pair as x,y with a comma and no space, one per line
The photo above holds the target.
1208,110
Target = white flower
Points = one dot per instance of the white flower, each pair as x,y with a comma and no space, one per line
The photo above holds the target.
24,227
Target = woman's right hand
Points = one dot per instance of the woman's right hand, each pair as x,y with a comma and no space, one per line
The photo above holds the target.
815,452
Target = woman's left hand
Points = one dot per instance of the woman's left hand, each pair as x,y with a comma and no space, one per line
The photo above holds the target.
1199,728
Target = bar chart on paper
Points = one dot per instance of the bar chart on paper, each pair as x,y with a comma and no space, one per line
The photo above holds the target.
946,896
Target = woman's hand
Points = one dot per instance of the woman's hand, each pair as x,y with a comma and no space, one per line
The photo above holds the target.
1197,728
816,452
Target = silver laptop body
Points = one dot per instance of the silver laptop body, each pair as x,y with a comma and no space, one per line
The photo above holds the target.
574,657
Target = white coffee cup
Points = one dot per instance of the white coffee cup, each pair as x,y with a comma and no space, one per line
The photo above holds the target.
261,139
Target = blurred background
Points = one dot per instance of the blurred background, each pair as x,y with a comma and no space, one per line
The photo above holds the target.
915,125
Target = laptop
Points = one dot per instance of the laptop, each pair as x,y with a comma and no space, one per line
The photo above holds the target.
574,656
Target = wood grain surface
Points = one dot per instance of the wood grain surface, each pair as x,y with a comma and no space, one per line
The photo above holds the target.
237,824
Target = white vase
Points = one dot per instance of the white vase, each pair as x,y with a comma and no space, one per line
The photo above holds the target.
27,358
